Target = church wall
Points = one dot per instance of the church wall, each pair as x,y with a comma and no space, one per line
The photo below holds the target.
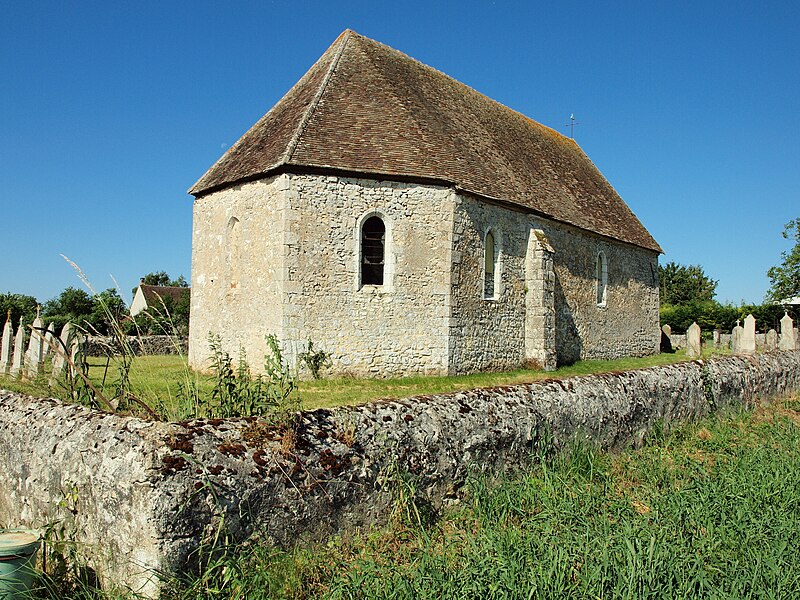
487,334
281,256
237,269
490,334
395,329
628,323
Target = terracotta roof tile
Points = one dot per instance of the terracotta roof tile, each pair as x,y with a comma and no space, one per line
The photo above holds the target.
152,293
365,108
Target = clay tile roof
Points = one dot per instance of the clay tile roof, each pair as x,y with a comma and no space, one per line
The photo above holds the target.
153,292
365,108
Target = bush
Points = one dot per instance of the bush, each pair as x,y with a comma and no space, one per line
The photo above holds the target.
713,315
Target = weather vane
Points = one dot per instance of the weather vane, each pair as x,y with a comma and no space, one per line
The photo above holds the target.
571,126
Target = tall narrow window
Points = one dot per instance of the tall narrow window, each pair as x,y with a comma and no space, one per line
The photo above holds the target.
489,264
602,279
373,239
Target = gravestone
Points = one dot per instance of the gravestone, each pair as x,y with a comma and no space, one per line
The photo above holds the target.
717,338
63,349
771,341
787,339
47,348
665,346
667,330
19,351
694,347
33,357
748,340
78,353
5,348
736,338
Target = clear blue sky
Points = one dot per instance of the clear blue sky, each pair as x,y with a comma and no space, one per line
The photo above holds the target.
110,111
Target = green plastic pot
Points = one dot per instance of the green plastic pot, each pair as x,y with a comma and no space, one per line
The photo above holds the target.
18,549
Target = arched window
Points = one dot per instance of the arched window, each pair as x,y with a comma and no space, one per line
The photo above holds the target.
373,241
489,266
601,276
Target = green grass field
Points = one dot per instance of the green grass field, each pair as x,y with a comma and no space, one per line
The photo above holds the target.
158,381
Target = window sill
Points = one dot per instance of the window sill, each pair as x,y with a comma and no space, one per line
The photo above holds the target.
371,288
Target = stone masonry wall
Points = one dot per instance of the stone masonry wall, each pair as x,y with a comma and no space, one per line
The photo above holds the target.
628,323
281,256
238,271
490,334
106,345
396,329
487,334
140,496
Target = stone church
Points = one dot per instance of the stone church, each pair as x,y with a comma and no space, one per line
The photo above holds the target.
407,223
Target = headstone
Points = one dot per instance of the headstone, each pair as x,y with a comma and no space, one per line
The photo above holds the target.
748,340
33,357
771,341
717,338
736,338
666,343
19,351
6,347
667,330
787,341
694,348
49,339
59,360
78,352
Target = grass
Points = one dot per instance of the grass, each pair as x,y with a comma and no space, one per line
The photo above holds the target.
158,381
710,510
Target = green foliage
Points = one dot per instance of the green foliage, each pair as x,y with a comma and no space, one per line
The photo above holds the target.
166,317
97,313
314,360
681,285
167,383
237,393
163,279
785,278
20,305
713,315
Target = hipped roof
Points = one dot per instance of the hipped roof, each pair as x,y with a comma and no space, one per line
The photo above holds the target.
364,108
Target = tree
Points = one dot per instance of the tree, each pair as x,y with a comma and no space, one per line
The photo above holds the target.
785,278
109,309
20,305
162,278
680,285
71,305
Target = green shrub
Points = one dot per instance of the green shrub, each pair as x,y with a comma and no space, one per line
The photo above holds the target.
237,393
314,360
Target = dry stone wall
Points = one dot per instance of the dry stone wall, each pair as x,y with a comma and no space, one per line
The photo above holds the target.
97,345
140,496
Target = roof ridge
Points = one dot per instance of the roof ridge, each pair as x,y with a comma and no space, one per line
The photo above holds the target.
301,127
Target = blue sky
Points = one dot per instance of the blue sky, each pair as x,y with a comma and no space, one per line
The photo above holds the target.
109,112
